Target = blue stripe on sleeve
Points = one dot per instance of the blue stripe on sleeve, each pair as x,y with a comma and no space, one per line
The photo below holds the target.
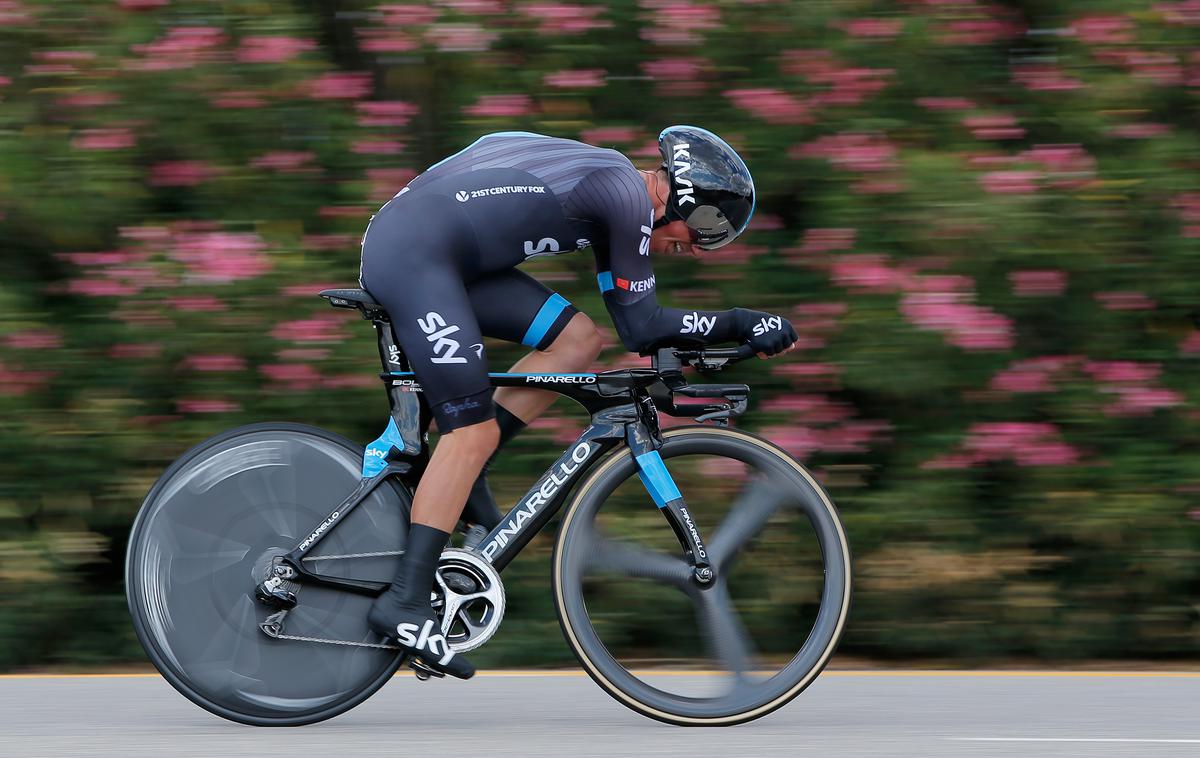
544,319
605,279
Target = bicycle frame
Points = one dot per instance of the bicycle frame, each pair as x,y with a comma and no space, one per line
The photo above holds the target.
622,412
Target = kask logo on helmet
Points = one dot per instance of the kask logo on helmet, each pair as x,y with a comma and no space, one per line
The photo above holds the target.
682,159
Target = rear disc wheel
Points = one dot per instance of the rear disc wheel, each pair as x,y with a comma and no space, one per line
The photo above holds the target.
208,533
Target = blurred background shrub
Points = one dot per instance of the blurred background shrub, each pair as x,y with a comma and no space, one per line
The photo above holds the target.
983,217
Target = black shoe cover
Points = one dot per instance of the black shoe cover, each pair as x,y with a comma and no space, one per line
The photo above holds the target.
418,632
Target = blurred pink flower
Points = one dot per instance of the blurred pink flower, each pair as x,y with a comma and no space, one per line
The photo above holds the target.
272,49
386,182
141,5
500,106
1191,344
101,288
34,339
847,85
217,363
827,240
86,100
104,139
1140,130
1187,206
1025,443
135,350
197,303
1185,13
676,69
564,18
16,382
609,135
284,161
1125,301
576,78
1010,182
342,85
945,103
320,329
302,354
386,40
477,7
1030,375
991,24
376,147
180,173
867,273
851,151
999,126
1038,283
1066,166
385,112
181,47
206,405
771,105
1103,29
397,14
1122,372
1141,401
350,381
298,376
237,99
221,257
1156,67
461,38
963,323
871,28
1045,78
13,13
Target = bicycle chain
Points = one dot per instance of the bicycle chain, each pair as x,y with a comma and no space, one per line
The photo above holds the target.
381,554
297,638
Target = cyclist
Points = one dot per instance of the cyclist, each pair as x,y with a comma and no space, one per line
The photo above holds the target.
441,257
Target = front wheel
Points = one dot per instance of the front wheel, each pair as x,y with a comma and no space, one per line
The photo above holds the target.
205,537
728,651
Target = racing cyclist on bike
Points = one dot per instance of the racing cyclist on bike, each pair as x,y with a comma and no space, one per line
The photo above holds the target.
441,257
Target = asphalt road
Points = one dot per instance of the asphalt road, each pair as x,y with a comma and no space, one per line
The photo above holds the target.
844,714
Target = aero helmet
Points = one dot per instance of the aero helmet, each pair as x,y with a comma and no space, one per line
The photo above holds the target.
711,188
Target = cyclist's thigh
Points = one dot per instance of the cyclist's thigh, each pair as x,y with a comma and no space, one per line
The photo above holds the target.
408,266
513,306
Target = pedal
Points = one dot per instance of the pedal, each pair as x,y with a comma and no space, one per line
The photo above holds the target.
422,671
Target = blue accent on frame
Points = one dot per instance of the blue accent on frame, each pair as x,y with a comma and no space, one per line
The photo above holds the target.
375,456
544,319
605,280
658,481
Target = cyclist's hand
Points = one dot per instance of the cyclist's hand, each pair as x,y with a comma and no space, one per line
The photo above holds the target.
767,333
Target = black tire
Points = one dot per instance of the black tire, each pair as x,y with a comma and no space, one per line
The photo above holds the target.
583,548
200,544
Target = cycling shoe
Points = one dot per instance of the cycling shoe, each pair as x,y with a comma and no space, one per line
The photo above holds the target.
417,631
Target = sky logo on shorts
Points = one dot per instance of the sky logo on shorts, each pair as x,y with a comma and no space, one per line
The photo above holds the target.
445,350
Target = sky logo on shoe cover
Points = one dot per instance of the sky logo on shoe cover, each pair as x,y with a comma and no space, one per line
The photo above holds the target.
462,196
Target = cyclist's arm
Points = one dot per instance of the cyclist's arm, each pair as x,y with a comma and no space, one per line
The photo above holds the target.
626,276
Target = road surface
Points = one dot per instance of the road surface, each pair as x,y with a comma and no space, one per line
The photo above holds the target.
562,714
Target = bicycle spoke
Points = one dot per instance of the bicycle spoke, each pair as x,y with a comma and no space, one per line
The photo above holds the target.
723,629
607,554
746,518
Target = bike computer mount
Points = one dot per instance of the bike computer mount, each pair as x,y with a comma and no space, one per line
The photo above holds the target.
669,363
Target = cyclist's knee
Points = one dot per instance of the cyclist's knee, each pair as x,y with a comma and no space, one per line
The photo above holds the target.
477,440
578,344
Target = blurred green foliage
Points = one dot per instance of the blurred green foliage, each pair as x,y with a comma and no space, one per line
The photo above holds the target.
983,218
